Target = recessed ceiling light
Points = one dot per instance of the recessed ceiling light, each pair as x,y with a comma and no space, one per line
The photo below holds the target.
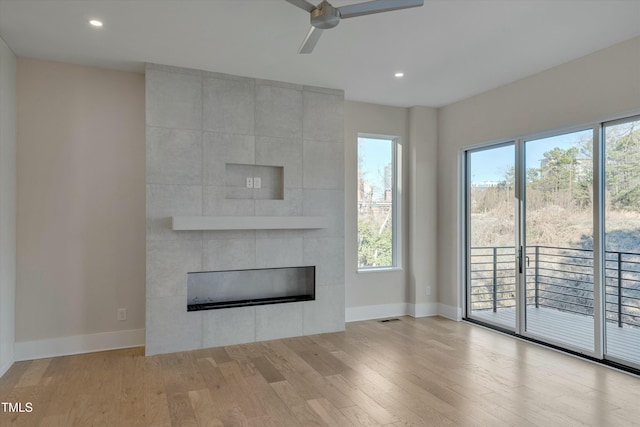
399,74
96,23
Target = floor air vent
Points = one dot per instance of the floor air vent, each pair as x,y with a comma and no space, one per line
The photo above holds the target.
389,320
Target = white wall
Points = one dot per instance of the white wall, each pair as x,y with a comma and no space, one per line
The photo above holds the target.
402,291
81,208
7,204
422,205
602,84
371,288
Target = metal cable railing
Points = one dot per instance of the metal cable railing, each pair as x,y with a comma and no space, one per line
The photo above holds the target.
556,277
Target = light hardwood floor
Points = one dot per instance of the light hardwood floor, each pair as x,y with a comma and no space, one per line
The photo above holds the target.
422,372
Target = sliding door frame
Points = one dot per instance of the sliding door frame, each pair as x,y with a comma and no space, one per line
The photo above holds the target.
466,219
599,352
601,176
597,228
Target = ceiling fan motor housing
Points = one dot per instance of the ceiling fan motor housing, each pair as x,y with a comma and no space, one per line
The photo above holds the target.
325,16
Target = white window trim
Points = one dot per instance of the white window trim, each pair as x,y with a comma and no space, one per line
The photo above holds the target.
396,243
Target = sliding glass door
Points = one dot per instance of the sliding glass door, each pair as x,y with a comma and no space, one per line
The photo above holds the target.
553,239
558,240
491,235
622,240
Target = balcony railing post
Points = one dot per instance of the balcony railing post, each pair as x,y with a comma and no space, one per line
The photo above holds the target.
619,289
537,287
495,278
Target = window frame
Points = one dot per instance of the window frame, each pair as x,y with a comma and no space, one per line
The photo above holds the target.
396,204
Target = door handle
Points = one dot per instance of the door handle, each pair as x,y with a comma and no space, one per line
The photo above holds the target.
520,259
520,253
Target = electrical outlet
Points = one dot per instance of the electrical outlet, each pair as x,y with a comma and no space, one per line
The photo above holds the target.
249,182
428,290
122,314
257,182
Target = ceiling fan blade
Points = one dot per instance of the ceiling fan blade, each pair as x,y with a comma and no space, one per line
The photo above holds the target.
302,4
376,6
310,40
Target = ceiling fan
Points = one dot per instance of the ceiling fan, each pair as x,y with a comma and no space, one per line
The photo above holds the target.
325,16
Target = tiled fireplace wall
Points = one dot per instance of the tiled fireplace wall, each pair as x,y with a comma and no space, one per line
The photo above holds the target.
196,123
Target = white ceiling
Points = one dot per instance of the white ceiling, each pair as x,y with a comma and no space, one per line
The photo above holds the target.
449,50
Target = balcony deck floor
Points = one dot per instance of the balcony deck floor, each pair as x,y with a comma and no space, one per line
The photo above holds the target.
576,330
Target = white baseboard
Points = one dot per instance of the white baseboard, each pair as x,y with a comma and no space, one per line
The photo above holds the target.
78,344
4,368
369,312
450,312
423,310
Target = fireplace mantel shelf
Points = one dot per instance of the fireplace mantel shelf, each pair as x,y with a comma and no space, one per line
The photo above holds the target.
195,223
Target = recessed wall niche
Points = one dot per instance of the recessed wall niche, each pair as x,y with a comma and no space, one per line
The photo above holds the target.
254,182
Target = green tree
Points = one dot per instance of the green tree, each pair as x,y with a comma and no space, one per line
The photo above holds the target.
623,167
558,170
374,244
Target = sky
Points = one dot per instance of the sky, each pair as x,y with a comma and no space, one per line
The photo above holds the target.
376,154
493,163
486,165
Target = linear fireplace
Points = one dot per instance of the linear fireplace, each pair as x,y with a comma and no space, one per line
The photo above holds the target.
238,288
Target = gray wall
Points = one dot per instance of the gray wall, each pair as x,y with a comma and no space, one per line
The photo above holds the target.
7,204
199,121
590,88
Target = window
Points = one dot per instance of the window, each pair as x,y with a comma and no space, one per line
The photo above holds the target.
378,172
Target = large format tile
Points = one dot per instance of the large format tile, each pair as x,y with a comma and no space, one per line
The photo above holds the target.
216,203
278,252
168,200
223,148
170,328
228,105
173,100
327,254
162,229
280,234
282,152
278,321
228,234
165,201
229,326
198,123
327,312
277,83
229,254
291,205
174,156
328,204
323,165
323,117
168,262
278,112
